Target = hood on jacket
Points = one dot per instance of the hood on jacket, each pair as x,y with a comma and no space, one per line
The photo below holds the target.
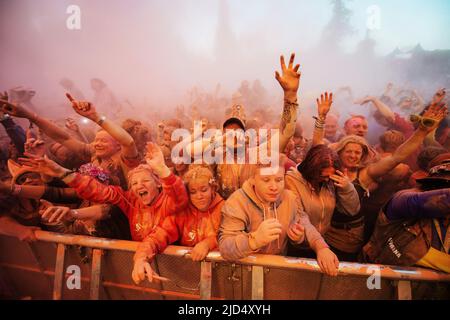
249,190
341,144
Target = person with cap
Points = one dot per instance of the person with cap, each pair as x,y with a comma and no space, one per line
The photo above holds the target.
298,146
231,176
414,226
423,162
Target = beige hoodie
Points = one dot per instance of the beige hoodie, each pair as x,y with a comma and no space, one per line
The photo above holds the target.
242,214
320,206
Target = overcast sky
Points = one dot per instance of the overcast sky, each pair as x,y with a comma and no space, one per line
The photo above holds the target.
147,45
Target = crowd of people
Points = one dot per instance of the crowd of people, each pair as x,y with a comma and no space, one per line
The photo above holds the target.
332,196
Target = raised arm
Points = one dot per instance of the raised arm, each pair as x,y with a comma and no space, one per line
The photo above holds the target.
385,111
60,195
87,109
408,204
290,81
48,127
430,121
15,132
73,126
173,186
86,187
323,107
420,100
430,140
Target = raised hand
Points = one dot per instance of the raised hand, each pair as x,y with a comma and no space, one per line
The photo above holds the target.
155,159
14,109
84,108
72,125
439,96
433,116
389,87
290,78
42,165
364,100
324,104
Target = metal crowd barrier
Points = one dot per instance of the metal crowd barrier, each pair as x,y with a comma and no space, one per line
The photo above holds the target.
43,269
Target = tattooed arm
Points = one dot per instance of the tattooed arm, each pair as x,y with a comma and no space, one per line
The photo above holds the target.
290,82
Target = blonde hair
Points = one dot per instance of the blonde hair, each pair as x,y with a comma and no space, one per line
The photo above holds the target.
141,168
197,172
341,144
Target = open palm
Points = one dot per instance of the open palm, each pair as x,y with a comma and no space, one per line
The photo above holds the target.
290,76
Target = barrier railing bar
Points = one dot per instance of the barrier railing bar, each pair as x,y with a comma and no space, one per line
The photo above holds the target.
345,268
257,283
108,283
59,272
205,280
94,291
35,270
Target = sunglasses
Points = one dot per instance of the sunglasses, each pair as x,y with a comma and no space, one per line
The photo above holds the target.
426,122
440,169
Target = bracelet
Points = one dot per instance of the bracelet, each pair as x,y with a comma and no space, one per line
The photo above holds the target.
66,174
289,103
102,119
320,123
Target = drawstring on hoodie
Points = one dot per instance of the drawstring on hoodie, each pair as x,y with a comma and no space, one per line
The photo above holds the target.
276,217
